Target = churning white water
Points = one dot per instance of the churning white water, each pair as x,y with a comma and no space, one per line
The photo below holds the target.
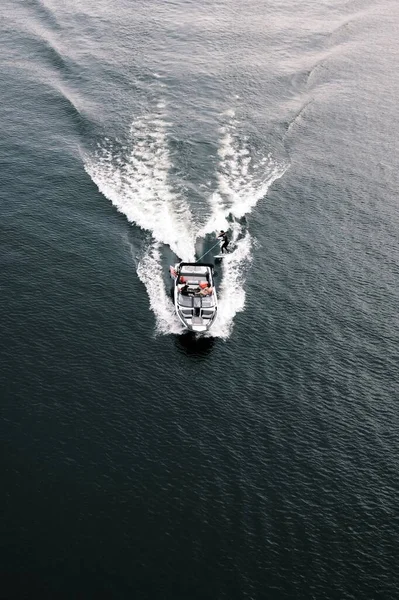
135,176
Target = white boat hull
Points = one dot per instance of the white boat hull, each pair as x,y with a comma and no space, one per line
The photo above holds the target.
196,310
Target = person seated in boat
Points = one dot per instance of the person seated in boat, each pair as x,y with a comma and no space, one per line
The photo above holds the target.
183,289
200,287
205,289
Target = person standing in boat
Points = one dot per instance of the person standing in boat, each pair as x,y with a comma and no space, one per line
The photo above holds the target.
224,237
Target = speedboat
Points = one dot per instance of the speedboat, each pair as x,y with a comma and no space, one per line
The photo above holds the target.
194,295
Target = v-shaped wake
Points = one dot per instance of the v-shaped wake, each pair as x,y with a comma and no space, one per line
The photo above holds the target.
135,177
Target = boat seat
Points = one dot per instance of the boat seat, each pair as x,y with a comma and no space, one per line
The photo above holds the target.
207,302
186,300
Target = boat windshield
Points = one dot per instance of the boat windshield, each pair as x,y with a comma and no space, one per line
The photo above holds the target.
190,301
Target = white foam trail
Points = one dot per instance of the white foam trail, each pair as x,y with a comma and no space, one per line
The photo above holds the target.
231,293
135,179
151,274
241,184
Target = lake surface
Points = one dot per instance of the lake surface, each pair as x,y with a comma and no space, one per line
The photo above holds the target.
258,462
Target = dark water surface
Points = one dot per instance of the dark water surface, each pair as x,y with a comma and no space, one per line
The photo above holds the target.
137,462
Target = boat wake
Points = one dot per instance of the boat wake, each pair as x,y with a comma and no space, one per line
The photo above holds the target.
134,175
241,183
